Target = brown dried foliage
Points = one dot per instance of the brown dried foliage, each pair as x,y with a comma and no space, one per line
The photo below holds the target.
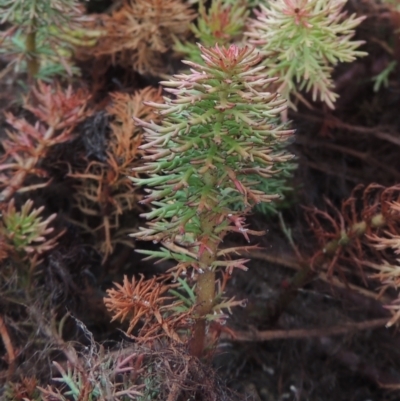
5,248
144,301
58,114
141,32
126,136
103,188
58,108
26,389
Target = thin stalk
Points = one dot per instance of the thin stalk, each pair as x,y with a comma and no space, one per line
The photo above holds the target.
8,346
205,296
32,58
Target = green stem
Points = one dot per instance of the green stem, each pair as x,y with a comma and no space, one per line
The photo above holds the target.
32,59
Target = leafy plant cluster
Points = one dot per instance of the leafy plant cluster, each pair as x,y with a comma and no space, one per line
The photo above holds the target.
302,41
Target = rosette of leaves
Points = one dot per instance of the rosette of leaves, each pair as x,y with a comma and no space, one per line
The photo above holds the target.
218,133
43,34
301,42
222,23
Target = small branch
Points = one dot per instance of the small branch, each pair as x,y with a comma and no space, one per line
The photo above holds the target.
268,335
8,346
292,263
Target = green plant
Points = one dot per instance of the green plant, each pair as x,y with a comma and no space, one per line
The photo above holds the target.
382,79
217,134
43,34
24,233
26,230
51,114
221,23
302,40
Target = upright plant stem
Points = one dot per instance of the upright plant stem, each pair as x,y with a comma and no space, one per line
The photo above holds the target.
32,59
205,290
8,346
205,299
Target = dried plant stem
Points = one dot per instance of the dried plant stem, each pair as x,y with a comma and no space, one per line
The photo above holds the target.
8,346
292,263
215,137
269,335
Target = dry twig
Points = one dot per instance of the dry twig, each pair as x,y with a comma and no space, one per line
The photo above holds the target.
268,335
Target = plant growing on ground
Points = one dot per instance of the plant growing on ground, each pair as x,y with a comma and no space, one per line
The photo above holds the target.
25,234
43,34
302,40
218,133
98,377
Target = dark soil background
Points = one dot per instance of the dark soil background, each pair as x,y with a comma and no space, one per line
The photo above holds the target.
357,143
